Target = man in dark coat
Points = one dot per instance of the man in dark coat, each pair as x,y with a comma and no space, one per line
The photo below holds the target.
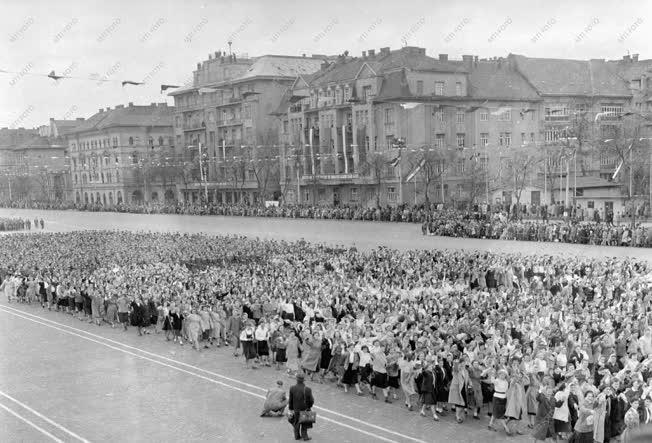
300,400
138,314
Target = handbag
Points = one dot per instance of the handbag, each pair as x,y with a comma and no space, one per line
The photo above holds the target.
307,417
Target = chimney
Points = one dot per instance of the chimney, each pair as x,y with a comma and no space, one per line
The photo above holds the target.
117,107
443,57
101,110
164,104
152,105
635,58
371,52
51,119
108,109
384,51
475,60
468,60
364,54
80,119
303,55
198,66
626,58
210,56
217,54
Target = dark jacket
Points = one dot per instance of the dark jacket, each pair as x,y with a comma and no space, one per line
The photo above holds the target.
301,399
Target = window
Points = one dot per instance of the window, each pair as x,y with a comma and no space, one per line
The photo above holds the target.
366,93
251,174
460,140
285,127
590,204
134,158
484,139
391,193
178,140
306,195
115,142
635,84
523,138
552,135
459,190
531,136
389,117
611,111
505,115
460,117
458,89
484,116
439,88
459,167
321,194
419,87
508,138
439,116
354,194
556,113
131,141
440,141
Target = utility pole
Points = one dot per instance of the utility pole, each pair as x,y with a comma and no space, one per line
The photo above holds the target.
201,172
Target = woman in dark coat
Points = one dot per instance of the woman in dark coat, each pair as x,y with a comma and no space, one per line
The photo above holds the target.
442,380
544,426
137,314
425,382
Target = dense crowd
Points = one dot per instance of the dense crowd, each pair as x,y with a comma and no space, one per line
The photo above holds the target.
497,226
507,222
19,224
555,346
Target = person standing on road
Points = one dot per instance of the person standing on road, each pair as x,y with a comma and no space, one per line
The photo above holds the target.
301,399
123,311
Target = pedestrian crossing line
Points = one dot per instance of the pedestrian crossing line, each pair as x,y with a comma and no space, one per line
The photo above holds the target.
31,423
62,328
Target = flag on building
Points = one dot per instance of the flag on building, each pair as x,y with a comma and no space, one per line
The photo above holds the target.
206,90
416,170
501,110
613,177
166,87
396,161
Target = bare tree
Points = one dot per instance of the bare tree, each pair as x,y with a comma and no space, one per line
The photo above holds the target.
523,164
435,163
375,166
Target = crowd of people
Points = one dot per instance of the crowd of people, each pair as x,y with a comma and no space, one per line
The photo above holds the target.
507,222
496,226
19,224
559,347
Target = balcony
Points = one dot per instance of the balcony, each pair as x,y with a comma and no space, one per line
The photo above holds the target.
194,127
328,178
229,122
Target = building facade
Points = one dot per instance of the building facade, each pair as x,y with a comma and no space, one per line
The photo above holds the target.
354,132
226,114
124,155
32,167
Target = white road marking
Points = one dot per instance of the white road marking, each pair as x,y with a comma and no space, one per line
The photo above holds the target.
22,314
38,428
215,374
43,417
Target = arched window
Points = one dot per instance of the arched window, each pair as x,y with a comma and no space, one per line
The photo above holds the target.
76,179
104,199
119,196
86,197
137,196
92,199
110,198
84,179
97,198
154,196
102,175
77,197
160,141
131,141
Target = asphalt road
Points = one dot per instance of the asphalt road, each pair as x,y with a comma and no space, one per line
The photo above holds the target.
362,234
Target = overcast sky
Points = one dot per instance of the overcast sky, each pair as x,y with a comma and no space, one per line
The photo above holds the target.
161,41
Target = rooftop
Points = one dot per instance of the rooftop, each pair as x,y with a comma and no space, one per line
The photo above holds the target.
131,115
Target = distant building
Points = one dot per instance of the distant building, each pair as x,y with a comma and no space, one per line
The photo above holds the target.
353,132
32,167
227,111
124,155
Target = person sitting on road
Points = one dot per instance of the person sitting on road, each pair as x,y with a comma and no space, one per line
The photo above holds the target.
276,401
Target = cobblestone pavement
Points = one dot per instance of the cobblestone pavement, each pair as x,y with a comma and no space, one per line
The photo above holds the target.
362,234
104,384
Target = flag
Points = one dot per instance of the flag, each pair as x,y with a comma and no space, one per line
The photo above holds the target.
416,170
501,110
129,82
166,87
409,105
396,161
474,155
613,177
206,90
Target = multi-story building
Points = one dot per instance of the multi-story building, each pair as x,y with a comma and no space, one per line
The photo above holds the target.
354,131
32,167
227,114
124,155
588,109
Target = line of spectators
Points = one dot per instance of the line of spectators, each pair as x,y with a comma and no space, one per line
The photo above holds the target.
555,346
18,224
